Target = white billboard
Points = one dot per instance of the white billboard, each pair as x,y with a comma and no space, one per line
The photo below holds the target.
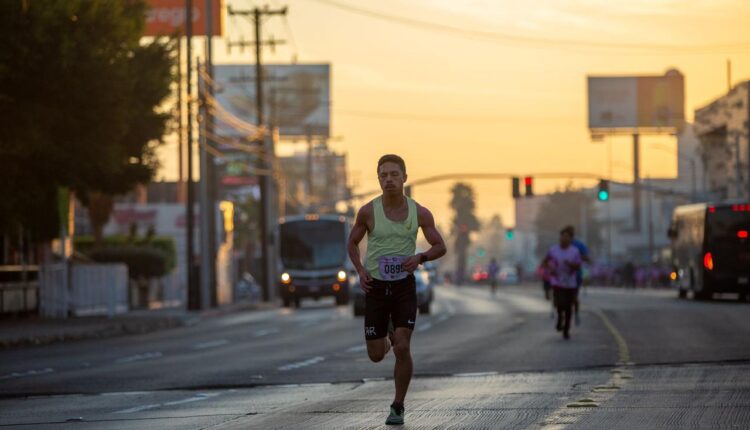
637,101
296,97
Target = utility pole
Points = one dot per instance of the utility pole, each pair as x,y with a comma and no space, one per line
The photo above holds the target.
194,299
258,14
208,182
636,183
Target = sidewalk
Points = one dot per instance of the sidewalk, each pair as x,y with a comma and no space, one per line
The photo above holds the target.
38,331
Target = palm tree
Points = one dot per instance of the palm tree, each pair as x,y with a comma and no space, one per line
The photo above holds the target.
464,223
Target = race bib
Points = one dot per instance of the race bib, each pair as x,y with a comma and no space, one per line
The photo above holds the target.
392,268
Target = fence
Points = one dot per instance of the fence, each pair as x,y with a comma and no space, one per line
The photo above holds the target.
83,289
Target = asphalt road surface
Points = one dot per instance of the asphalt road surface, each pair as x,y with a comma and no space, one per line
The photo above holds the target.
639,359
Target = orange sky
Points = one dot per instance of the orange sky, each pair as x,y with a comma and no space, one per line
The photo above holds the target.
495,103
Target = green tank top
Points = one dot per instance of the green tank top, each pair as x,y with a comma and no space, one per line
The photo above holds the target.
389,238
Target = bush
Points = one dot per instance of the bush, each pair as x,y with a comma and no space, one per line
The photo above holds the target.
85,245
142,261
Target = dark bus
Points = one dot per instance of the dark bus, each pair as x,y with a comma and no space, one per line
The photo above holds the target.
711,249
314,261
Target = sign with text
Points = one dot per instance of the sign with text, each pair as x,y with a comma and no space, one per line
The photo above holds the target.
167,17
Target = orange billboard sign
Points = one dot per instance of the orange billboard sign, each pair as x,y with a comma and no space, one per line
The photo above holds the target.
167,17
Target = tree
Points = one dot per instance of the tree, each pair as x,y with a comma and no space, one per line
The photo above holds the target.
79,99
564,208
464,223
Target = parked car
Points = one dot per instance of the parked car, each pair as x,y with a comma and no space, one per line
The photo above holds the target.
425,293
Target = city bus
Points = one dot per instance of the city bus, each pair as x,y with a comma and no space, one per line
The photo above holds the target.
711,249
313,258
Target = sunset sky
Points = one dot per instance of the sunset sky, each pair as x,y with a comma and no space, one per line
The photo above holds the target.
494,85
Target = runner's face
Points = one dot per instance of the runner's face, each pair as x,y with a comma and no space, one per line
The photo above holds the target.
565,239
391,178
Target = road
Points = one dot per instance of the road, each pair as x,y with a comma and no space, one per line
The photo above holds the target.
639,359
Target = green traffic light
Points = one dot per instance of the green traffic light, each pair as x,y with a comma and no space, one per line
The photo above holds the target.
603,195
509,234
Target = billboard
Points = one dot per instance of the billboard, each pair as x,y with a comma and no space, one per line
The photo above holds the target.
637,101
167,17
297,98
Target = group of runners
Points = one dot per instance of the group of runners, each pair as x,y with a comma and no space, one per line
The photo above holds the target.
391,222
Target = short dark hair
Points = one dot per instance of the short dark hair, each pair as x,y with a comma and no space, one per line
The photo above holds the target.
392,158
569,229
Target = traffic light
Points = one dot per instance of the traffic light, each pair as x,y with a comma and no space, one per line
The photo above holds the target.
529,183
516,187
509,234
603,194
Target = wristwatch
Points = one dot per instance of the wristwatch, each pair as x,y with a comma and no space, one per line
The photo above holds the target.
422,257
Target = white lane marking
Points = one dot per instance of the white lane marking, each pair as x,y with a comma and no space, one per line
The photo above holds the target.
261,333
198,397
138,409
474,374
443,317
211,344
357,348
125,393
27,373
297,365
424,327
138,357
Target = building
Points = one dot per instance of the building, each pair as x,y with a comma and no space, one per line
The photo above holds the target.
723,127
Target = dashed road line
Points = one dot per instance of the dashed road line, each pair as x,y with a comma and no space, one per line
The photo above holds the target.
27,373
139,357
211,344
196,398
424,327
300,364
356,348
261,333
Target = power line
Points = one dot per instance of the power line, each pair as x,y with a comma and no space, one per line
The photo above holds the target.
505,37
443,118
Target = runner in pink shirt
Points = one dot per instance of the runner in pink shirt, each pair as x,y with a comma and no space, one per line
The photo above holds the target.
562,262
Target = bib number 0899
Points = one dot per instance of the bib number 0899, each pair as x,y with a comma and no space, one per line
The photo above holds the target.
393,269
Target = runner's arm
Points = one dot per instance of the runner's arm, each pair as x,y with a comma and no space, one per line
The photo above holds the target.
358,232
433,237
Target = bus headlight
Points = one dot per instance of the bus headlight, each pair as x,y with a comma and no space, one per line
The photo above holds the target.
341,276
285,278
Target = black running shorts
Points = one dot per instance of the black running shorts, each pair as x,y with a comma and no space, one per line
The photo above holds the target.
396,300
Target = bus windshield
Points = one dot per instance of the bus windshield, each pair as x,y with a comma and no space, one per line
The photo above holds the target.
313,245
725,224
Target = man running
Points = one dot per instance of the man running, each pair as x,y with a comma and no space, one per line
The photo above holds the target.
584,251
391,222
493,270
562,261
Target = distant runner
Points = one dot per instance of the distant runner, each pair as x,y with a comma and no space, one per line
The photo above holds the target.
493,270
391,222
584,250
562,261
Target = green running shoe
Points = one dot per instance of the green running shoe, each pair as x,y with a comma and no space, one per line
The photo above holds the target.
394,418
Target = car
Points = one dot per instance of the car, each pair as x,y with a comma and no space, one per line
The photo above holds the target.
425,293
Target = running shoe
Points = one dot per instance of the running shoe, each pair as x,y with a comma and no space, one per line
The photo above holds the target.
395,418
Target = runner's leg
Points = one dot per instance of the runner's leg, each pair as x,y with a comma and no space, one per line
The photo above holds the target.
402,371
